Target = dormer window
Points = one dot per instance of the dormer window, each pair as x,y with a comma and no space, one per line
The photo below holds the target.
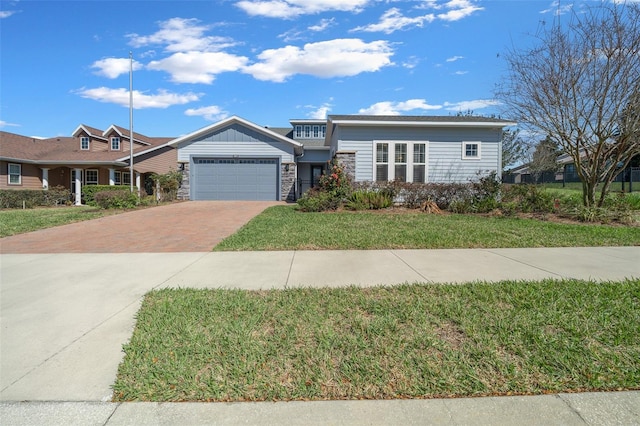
84,143
115,144
308,131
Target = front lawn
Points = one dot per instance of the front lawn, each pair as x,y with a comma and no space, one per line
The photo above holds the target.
15,221
408,341
285,228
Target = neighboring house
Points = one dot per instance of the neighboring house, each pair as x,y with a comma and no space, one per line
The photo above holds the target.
235,159
89,157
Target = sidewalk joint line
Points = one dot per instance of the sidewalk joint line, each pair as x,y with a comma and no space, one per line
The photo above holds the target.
527,264
571,408
112,413
393,252
286,284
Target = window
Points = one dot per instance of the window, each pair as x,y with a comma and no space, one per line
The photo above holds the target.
471,150
316,132
298,131
126,178
115,144
307,131
15,174
382,162
419,160
91,177
400,162
407,163
117,178
84,143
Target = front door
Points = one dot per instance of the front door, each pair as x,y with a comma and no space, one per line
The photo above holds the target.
316,172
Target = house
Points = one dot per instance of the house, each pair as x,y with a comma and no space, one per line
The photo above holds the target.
235,159
88,157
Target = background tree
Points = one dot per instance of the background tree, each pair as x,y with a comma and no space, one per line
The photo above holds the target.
580,84
544,157
514,148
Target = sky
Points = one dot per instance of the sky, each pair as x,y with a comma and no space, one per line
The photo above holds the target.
66,63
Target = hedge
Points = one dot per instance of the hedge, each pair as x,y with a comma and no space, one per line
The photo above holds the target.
30,198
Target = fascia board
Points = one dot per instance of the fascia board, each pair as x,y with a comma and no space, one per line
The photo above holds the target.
424,123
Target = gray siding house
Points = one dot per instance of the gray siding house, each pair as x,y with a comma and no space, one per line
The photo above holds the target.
236,159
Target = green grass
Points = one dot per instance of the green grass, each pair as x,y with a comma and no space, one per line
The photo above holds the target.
284,228
408,341
14,222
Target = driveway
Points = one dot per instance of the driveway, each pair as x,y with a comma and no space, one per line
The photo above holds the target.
192,226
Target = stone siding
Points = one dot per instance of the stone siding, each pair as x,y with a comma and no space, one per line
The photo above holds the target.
288,182
183,191
347,160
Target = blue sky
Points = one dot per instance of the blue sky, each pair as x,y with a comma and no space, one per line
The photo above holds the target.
65,63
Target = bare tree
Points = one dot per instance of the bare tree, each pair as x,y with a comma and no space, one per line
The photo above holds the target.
580,84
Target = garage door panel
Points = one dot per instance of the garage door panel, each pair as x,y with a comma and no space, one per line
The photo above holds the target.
235,179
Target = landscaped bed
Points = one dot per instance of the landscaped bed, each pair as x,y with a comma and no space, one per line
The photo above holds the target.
408,341
285,228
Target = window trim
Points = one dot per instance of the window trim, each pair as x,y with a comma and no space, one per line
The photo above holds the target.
471,157
117,177
84,139
126,178
86,177
115,139
391,147
9,174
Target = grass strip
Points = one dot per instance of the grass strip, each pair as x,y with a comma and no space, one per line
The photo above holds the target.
284,228
15,221
407,341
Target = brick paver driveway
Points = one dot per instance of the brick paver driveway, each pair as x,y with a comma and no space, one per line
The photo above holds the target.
193,226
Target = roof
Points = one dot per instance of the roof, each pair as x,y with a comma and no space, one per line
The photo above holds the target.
66,150
298,147
419,119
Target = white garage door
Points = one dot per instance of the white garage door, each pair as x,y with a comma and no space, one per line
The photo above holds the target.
235,179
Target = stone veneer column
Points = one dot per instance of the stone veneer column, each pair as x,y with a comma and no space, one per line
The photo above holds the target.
183,191
347,159
288,182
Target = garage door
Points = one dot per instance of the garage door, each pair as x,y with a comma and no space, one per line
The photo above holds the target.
235,179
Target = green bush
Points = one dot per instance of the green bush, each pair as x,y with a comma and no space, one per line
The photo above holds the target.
30,198
369,200
89,192
168,184
335,182
316,200
530,198
116,199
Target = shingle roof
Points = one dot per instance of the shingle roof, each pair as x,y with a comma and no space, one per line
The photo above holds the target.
422,118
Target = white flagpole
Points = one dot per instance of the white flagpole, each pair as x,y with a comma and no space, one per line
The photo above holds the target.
131,121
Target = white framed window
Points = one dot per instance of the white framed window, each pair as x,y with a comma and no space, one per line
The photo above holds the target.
126,178
298,131
470,150
316,132
84,143
419,162
91,177
14,174
117,178
408,162
382,162
307,131
115,143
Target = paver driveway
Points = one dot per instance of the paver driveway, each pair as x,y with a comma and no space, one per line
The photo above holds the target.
192,226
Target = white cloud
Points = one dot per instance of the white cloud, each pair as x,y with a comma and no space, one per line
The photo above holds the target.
198,67
6,13
211,113
461,72
162,99
320,113
454,58
5,124
393,20
411,62
558,9
397,108
114,67
323,25
459,9
289,9
179,35
471,105
333,58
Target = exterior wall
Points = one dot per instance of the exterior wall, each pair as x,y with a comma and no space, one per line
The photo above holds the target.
235,140
315,156
444,149
31,176
288,182
159,161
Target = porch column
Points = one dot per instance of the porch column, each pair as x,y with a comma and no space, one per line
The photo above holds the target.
45,178
138,182
112,177
78,173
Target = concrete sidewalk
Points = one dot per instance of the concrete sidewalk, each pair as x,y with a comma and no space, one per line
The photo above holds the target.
65,317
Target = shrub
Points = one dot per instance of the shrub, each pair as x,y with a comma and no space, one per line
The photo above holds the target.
30,198
369,200
116,199
336,182
316,200
89,192
168,185
529,198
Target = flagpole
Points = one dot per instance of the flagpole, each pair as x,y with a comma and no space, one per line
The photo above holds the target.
131,122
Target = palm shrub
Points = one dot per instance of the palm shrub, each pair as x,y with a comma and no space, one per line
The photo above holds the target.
369,200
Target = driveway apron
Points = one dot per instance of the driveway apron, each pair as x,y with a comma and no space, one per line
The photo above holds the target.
193,226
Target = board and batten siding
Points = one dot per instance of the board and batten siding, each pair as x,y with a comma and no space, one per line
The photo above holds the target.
445,163
235,140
